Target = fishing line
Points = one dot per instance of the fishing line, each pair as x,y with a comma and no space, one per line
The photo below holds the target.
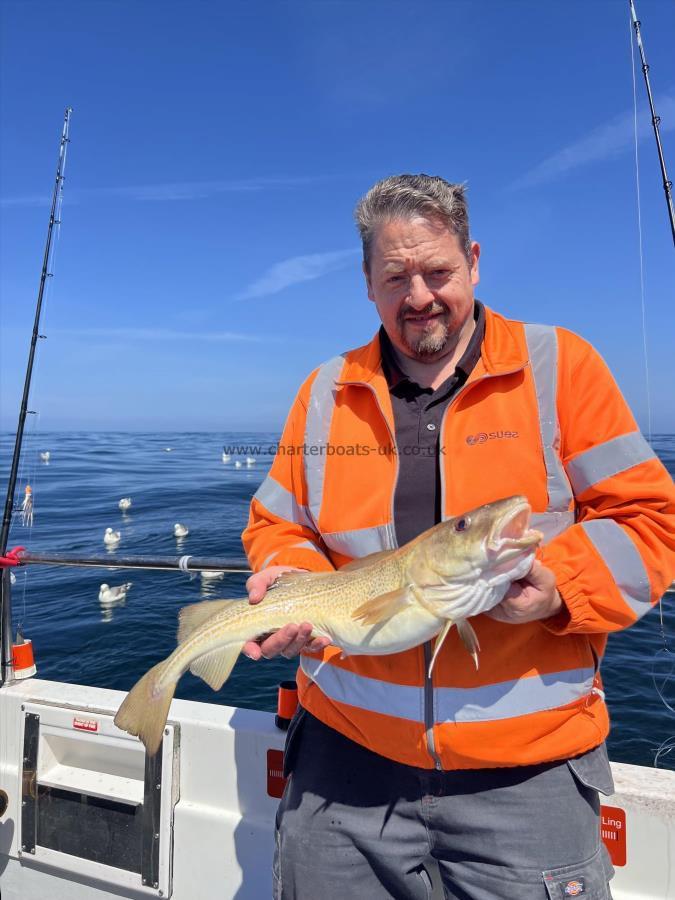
661,681
639,224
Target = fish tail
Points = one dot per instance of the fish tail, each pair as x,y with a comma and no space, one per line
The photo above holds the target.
145,709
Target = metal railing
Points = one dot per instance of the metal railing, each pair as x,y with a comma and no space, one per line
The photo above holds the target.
186,563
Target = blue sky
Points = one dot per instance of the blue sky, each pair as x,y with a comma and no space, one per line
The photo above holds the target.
208,259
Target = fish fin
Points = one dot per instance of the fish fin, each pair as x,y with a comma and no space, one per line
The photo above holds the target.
382,607
145,709
439,643
362,561
286,579
215,667
469,638
191,617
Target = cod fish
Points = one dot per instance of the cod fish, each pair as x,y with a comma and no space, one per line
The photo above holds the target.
383,603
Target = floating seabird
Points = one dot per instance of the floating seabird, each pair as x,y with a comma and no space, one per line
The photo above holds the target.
226,457
180,530
111,537
168,449
210,575
237,464
109,594
250,460
44,456
125,503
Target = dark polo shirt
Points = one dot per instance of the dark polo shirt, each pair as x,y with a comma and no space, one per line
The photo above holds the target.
418,412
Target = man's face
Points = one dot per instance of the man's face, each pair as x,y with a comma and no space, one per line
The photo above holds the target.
422,285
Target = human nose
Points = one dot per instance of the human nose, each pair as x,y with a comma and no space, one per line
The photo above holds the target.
419,294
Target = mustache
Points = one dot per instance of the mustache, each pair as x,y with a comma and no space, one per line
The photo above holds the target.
431,309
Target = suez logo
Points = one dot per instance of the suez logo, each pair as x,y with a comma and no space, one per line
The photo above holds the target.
482,436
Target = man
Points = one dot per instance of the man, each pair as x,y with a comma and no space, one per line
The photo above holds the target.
494,772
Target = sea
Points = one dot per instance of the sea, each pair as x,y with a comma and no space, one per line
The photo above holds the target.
181,478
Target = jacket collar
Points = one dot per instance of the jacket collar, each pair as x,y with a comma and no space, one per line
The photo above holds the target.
503,350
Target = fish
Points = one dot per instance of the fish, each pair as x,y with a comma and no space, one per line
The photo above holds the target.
383,603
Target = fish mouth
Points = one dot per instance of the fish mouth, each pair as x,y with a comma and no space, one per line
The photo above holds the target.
511,535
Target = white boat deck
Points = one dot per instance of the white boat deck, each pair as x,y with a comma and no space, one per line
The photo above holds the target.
213,832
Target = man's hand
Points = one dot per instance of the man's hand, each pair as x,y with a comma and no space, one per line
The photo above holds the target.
289,640
530,599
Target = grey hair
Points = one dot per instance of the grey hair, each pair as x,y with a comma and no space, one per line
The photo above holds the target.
409,196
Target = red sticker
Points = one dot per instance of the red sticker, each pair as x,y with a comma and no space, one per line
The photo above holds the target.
85,724
275,773
613,833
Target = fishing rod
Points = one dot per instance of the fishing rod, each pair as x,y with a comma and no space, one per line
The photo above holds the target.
166,563
5,600
24,411
656,121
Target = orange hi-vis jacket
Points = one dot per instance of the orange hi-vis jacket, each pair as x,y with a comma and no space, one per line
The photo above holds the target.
540,415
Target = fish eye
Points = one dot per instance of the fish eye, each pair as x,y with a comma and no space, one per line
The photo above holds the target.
462,524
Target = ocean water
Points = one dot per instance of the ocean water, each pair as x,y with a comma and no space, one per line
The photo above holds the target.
76,639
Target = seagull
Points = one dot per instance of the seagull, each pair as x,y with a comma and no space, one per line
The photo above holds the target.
111,537
250,460
125,503
109,594
209,575
226,457
180,530
237,464
45,456
168,449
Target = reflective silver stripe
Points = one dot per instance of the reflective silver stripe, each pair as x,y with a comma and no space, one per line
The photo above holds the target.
489,703
317,429
268,559
400,700
608,459
361,541
551,524
508,699
542,345
282,503
303,545
623,560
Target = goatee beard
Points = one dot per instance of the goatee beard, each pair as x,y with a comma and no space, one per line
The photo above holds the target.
433,338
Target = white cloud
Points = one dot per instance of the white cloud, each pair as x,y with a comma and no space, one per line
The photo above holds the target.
296,270
156,334
605,141
179,190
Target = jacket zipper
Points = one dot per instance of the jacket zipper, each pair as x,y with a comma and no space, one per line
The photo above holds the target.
428,682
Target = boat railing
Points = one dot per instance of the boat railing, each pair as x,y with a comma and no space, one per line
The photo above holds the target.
187,563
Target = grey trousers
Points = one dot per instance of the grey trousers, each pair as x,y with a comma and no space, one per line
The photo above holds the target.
354,824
